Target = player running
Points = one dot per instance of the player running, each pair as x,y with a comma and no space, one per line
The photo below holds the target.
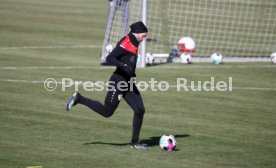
124,57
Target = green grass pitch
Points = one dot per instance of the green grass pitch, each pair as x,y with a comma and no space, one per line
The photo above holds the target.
213,129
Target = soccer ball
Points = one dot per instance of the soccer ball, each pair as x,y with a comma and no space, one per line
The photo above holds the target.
273,58
167,142
186,58
216,58
149,58
186,45
108,48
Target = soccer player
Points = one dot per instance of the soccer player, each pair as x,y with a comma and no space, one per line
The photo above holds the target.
124,57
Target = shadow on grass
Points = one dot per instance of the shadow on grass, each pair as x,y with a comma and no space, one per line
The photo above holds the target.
106,143
152,141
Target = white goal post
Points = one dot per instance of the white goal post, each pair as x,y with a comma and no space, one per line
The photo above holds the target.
236,28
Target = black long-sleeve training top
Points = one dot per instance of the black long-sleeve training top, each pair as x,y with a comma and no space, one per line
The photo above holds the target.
125,54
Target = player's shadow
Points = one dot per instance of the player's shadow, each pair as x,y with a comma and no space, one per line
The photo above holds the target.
106,143
152,141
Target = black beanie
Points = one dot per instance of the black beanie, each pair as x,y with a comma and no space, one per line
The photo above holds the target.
138,27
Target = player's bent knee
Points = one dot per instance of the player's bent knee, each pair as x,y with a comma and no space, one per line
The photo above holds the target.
140,111
107,115
108,112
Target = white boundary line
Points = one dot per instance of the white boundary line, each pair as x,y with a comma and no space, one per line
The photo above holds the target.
160,67
49,47
214,66
239,88
21,81
68,67
171,86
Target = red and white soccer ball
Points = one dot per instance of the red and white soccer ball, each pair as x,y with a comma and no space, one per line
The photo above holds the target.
167,142
216,58
186,58
273,58
186,45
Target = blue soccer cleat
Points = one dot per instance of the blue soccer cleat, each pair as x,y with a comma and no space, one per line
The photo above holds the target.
72,101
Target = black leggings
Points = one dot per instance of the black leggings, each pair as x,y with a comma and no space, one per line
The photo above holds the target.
112,100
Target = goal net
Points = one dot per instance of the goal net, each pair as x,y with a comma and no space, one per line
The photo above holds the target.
236,28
